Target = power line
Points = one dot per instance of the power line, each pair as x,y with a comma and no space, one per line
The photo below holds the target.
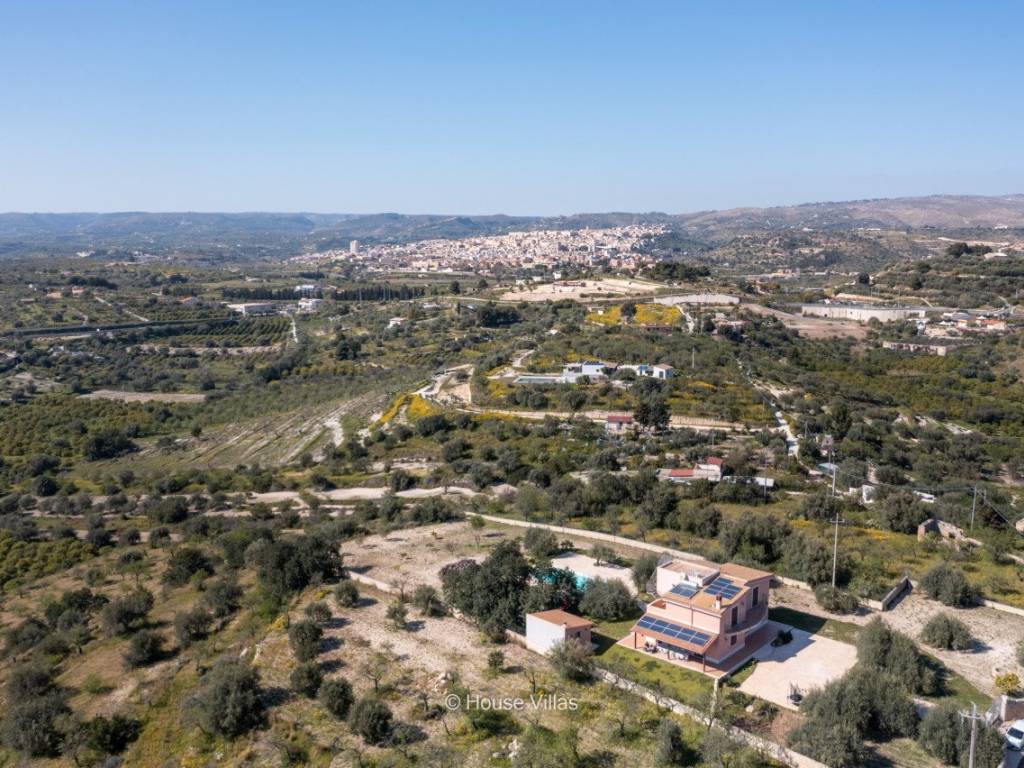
974,717
925,489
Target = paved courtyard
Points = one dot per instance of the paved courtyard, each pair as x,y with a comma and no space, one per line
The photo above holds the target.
808,662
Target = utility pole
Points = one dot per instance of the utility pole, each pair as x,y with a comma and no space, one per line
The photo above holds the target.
835,549
974,717
974,505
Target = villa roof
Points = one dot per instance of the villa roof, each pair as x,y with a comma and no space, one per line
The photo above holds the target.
742,572
563,618
712,586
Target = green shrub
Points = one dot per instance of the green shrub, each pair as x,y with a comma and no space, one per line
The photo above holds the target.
191,626
336,697
948,585
835,600
885,650
864,702
111,735
305,679
31,727
947,632
643,568
304,638
371,719
671,748
346,593
184,563
540,543
318,612
145,648
28,681
428,601
229,702
572,659
607,600
121,616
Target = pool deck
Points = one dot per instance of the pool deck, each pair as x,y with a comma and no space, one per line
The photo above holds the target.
584,565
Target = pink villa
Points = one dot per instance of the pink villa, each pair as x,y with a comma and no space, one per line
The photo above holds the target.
705,613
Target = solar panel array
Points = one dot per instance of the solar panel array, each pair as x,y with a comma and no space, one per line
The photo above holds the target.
684,589
722,588
669,629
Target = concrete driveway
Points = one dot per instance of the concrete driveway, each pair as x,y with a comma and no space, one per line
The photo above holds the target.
808,662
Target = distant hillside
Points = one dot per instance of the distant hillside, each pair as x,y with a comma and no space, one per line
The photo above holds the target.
255,235
945,212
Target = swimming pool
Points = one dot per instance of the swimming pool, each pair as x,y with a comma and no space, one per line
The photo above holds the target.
537,379
581,581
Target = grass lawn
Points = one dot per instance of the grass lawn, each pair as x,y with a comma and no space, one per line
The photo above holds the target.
843,631
681,684
958,689
676,682
900,753
607,633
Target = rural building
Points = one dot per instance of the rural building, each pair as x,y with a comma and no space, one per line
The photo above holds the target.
658,371
680,474
705,613
545,628
253,309
906,346
589,369
619,424
710,299
710,468
861,313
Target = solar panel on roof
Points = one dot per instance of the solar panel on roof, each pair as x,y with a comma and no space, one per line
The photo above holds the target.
667,628
723,588
684,589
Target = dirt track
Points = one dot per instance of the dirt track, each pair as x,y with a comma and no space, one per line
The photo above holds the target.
144,397
813,327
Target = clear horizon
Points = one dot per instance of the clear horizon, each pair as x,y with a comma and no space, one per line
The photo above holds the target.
523,111
297,212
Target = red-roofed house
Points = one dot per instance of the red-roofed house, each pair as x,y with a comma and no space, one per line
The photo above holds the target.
619,424
709,469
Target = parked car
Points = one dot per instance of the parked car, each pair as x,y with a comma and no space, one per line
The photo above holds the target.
1015,735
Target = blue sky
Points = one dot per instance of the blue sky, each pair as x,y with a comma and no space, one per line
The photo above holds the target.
515,107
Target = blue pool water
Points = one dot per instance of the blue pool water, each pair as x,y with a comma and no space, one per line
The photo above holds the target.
581,581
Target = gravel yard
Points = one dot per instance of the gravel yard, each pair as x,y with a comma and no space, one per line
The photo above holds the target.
996,633
414,556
